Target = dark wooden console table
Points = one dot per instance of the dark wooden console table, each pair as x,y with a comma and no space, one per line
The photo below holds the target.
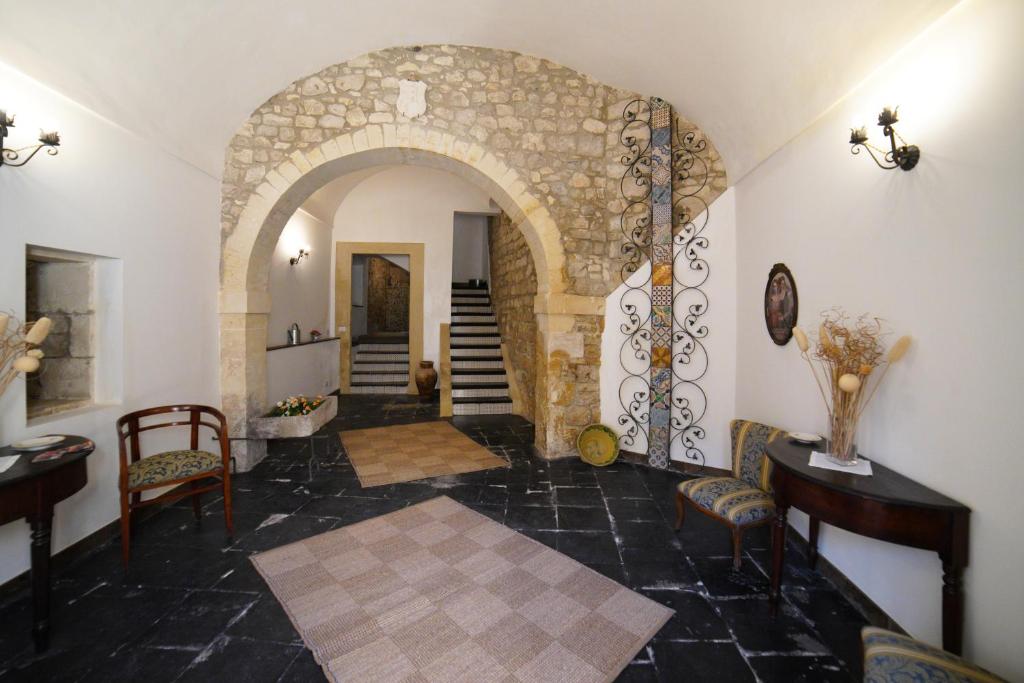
31,490
886,506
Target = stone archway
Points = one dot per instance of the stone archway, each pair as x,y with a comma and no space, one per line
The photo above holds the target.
245,300
542,139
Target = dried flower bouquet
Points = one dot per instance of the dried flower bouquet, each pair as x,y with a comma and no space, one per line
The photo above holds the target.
19,352
844,362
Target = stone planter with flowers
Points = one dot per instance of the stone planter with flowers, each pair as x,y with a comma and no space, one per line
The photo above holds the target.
294,417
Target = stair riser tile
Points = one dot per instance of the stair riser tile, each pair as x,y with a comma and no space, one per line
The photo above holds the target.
482,319
479,379
378,390
477,365
381,377
482,409
381,367
491,354
480,393
475,329
382,348
381,358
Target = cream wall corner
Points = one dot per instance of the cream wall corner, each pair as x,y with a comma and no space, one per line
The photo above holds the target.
936,252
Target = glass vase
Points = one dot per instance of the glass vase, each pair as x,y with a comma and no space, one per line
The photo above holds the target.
842,446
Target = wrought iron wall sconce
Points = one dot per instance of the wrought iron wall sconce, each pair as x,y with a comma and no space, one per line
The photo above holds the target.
904,156
12,157
303,253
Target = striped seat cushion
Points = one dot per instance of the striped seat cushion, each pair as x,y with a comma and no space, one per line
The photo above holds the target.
730,498
892,658
749,441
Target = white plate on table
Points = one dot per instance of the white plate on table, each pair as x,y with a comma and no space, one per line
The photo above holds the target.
804,437
37,444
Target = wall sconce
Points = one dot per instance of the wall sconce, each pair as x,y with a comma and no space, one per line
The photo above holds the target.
10,157
303,253
905,156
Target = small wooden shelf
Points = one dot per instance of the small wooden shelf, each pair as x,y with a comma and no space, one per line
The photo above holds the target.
302,343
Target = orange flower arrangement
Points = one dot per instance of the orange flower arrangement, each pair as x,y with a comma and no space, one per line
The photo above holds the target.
296,405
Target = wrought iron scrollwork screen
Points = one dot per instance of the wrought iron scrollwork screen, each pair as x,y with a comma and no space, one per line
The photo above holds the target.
635,303
664,298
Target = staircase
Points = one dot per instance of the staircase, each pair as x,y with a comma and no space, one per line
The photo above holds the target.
479,383
380,365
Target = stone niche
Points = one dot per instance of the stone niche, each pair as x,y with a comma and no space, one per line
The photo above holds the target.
62,288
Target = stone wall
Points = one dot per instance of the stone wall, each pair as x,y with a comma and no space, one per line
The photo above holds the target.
387,296
556,128
61,291
573,378
513,290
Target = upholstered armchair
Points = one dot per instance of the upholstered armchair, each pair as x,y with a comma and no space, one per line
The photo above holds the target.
893,658
743,500
201,470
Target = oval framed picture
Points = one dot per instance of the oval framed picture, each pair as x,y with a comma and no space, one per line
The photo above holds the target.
781,305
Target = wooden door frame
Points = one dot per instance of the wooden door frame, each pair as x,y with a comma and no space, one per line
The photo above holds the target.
344,251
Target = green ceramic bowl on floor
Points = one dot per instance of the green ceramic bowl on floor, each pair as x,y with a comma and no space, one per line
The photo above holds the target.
598,445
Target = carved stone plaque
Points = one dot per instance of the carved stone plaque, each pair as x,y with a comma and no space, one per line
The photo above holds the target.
412,98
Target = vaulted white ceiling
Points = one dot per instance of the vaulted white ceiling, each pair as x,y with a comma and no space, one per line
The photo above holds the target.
752,73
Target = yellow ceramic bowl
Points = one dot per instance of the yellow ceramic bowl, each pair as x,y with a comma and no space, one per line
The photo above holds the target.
598,445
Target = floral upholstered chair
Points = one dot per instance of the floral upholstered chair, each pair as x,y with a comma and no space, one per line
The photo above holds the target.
892,658
202,470
743,500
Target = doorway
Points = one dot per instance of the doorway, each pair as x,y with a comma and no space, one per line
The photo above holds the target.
379,295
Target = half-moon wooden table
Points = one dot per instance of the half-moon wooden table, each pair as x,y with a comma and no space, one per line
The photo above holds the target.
886,505
31,490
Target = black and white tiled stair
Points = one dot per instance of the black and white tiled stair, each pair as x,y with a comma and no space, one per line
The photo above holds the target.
380,368
479,382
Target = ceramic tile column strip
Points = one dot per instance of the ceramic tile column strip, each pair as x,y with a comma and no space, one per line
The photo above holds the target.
661,283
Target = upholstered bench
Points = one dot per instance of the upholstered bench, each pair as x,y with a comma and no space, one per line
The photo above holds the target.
743,500
892,658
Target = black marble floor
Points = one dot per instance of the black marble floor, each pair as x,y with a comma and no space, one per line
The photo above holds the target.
192,608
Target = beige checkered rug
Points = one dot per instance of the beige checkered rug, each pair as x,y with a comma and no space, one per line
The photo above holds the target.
438,592
388,455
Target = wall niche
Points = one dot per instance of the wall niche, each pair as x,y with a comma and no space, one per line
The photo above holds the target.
62,286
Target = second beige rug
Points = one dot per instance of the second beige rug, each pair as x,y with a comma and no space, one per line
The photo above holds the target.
389,455
438,592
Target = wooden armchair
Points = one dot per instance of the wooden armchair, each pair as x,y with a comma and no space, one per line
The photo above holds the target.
171,468
743,500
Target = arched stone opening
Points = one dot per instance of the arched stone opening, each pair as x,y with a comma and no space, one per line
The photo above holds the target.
245,300
544,140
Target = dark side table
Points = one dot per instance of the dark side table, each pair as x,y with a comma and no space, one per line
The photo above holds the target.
887,506
31,490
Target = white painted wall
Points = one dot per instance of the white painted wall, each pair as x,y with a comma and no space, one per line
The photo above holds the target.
112,194
400,260
306,370
412,204
470,255
299,293
720,381
937,252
